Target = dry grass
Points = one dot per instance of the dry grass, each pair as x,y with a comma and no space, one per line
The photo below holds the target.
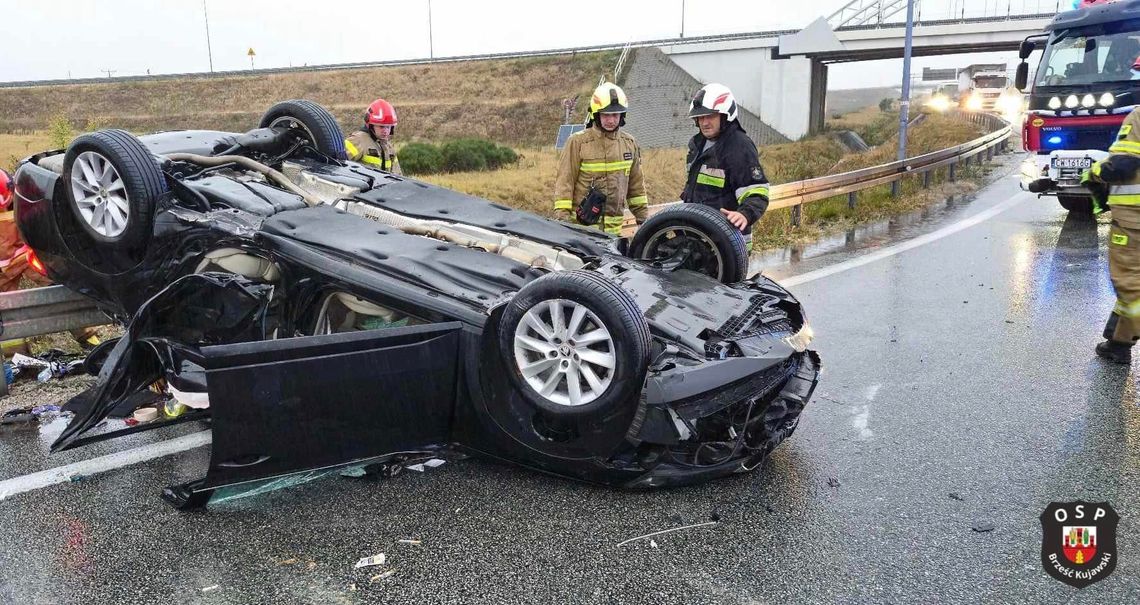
15,147
510,101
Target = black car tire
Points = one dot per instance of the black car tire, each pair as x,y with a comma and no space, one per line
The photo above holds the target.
710,243
1077,204
313,121
612,308
142,183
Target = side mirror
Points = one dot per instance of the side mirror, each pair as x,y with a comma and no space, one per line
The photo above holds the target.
1025,49
1021,79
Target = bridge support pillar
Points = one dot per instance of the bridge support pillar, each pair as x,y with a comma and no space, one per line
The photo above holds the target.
818,102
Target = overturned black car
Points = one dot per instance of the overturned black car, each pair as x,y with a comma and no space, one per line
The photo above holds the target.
319,313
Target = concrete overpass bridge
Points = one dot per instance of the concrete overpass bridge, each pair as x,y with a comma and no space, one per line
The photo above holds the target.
781,77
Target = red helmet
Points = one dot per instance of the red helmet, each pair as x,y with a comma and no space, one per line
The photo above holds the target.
5,190
380,113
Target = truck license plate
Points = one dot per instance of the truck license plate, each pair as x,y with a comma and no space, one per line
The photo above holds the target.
1077,163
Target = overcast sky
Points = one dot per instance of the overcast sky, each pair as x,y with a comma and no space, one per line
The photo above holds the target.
58,39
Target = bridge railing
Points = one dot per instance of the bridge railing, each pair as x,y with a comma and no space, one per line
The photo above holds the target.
795,195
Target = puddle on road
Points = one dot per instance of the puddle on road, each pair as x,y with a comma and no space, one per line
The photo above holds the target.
872,235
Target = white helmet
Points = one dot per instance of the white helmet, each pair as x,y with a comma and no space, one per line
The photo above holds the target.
713,98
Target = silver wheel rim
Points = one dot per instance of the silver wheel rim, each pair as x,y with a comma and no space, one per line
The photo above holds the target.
670,233
100,194
564,352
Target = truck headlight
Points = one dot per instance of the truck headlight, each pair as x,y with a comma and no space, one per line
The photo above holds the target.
1055,103
974,103
800,340
1107,99
1088,100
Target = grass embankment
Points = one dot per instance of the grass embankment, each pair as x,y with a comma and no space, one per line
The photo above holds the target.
529,185
15,147
516,102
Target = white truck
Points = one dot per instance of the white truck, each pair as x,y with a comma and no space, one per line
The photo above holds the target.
986,87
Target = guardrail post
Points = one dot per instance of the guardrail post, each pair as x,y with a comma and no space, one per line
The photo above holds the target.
953,171
894,188
990,154
926,180
797,215
851,197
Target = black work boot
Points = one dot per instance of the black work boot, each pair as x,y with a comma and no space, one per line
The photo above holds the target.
1116,352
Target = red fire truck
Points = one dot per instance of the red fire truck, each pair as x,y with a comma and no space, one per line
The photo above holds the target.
1084,87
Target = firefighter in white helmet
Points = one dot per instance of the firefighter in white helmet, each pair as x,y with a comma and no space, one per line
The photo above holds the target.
599,175
724,165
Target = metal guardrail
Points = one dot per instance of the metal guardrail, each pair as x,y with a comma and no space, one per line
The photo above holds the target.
39,311
795,195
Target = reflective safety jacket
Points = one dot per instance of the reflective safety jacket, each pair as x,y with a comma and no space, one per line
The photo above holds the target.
361,147
728,175
609,161
1115,180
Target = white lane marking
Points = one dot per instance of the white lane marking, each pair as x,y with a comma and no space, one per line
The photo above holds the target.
921,240
84,468
109,462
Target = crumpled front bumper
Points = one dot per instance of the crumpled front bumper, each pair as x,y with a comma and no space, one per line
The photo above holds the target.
755,414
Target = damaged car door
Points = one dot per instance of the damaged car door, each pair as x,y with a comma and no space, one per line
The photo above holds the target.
285,405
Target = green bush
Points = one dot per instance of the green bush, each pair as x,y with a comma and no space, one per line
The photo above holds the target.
420,158
463,155
60,131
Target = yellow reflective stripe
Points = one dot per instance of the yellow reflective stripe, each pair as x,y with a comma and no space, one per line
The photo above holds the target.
1126,309
1095,170
714,181
563,205
744,192
351,149
1131,147
1132,199
639,201
1120,239
373,160
613,224
606,166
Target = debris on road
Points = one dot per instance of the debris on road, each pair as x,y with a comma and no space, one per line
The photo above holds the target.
371,561
652,543
956,496
211,588
410,541
832,482
666,531
983,526
289,561
145,415
434,462
381,576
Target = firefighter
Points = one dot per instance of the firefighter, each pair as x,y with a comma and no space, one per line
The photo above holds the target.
372,144
599,174
723,163
1115,181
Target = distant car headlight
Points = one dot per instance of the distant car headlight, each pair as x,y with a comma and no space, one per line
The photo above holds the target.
1055,103
974,103
800,340
939,103
1107,99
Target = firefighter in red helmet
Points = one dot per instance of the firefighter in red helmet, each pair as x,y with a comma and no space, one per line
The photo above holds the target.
372,144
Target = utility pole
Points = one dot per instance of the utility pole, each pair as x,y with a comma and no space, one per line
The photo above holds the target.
904,103
209,50
431,47
682,18
108,72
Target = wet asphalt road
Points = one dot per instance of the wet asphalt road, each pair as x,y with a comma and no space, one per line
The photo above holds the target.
960,390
